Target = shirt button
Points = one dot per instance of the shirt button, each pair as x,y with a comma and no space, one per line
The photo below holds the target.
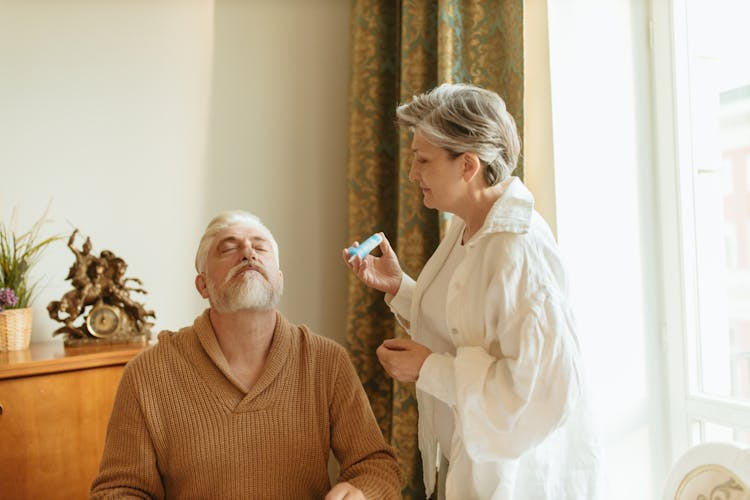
454,331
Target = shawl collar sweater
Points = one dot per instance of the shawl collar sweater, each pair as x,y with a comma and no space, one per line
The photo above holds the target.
182,426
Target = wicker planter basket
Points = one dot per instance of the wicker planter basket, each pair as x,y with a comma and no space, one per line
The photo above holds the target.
15,329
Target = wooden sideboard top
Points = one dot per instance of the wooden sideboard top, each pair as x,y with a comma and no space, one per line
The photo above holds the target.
54,357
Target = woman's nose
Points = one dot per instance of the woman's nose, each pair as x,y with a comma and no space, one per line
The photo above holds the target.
413,173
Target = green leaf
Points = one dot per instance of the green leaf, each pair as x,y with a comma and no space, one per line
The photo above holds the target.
19,254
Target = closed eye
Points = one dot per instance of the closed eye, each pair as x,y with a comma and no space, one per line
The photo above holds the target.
228,245
418,159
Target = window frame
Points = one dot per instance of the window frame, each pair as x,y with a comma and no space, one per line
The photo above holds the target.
679,265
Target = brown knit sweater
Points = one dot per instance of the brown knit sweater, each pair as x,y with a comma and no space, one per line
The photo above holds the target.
182,427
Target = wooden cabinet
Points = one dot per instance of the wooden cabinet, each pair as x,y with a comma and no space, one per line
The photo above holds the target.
55,404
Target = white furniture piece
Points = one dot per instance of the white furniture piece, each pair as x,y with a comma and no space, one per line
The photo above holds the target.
710,471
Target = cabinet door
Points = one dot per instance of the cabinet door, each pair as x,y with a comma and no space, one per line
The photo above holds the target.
52,431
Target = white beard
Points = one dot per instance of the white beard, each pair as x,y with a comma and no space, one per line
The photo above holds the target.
252,292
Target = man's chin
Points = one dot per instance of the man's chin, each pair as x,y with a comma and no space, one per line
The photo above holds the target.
243,306
249,293
249,304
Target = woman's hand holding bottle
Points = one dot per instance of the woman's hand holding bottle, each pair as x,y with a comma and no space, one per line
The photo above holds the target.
381,273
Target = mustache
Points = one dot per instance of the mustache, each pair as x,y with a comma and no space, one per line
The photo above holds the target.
246,264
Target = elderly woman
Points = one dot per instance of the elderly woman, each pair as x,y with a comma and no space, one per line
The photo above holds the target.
493,346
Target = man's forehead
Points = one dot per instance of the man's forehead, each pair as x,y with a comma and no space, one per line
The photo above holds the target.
242,232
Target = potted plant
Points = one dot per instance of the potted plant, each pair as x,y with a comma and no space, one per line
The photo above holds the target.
18,255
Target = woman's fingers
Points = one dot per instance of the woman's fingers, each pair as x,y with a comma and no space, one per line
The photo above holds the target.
385,245
396,344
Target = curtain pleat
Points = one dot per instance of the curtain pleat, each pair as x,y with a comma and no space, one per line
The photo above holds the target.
400,49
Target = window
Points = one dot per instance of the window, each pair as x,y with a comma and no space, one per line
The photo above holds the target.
702,88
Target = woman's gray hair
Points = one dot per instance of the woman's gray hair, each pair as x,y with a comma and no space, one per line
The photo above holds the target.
224,220
465,118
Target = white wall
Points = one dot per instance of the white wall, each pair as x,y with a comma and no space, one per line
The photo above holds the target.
278,143
539,175
606,224
141,119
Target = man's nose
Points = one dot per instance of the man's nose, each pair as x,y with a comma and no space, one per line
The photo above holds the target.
249,253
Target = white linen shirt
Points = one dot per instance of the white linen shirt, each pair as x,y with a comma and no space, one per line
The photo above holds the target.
522,429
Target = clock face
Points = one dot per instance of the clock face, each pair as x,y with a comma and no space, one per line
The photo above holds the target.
103,321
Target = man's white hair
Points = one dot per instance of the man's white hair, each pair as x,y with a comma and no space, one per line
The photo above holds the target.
224,220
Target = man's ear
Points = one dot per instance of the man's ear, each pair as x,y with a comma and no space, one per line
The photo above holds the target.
472,165
201,285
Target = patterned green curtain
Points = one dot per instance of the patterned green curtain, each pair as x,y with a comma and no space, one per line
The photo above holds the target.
400,49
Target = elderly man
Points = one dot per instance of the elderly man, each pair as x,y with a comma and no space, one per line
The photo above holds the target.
243,404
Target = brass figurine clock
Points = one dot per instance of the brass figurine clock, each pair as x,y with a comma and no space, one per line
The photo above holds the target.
101,297
103,320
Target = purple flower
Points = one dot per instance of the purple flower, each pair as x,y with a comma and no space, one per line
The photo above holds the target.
7,298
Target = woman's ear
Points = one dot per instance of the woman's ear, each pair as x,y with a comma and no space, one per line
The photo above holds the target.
471,166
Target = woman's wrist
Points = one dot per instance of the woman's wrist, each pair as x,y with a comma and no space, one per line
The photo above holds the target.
393,290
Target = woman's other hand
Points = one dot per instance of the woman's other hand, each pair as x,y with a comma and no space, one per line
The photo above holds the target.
381,273
402,358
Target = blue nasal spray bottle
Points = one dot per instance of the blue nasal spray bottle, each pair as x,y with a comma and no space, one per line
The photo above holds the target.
365,247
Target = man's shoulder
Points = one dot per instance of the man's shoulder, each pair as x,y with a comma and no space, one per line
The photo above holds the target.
167,336
306,336
322,358
166,343
312,345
